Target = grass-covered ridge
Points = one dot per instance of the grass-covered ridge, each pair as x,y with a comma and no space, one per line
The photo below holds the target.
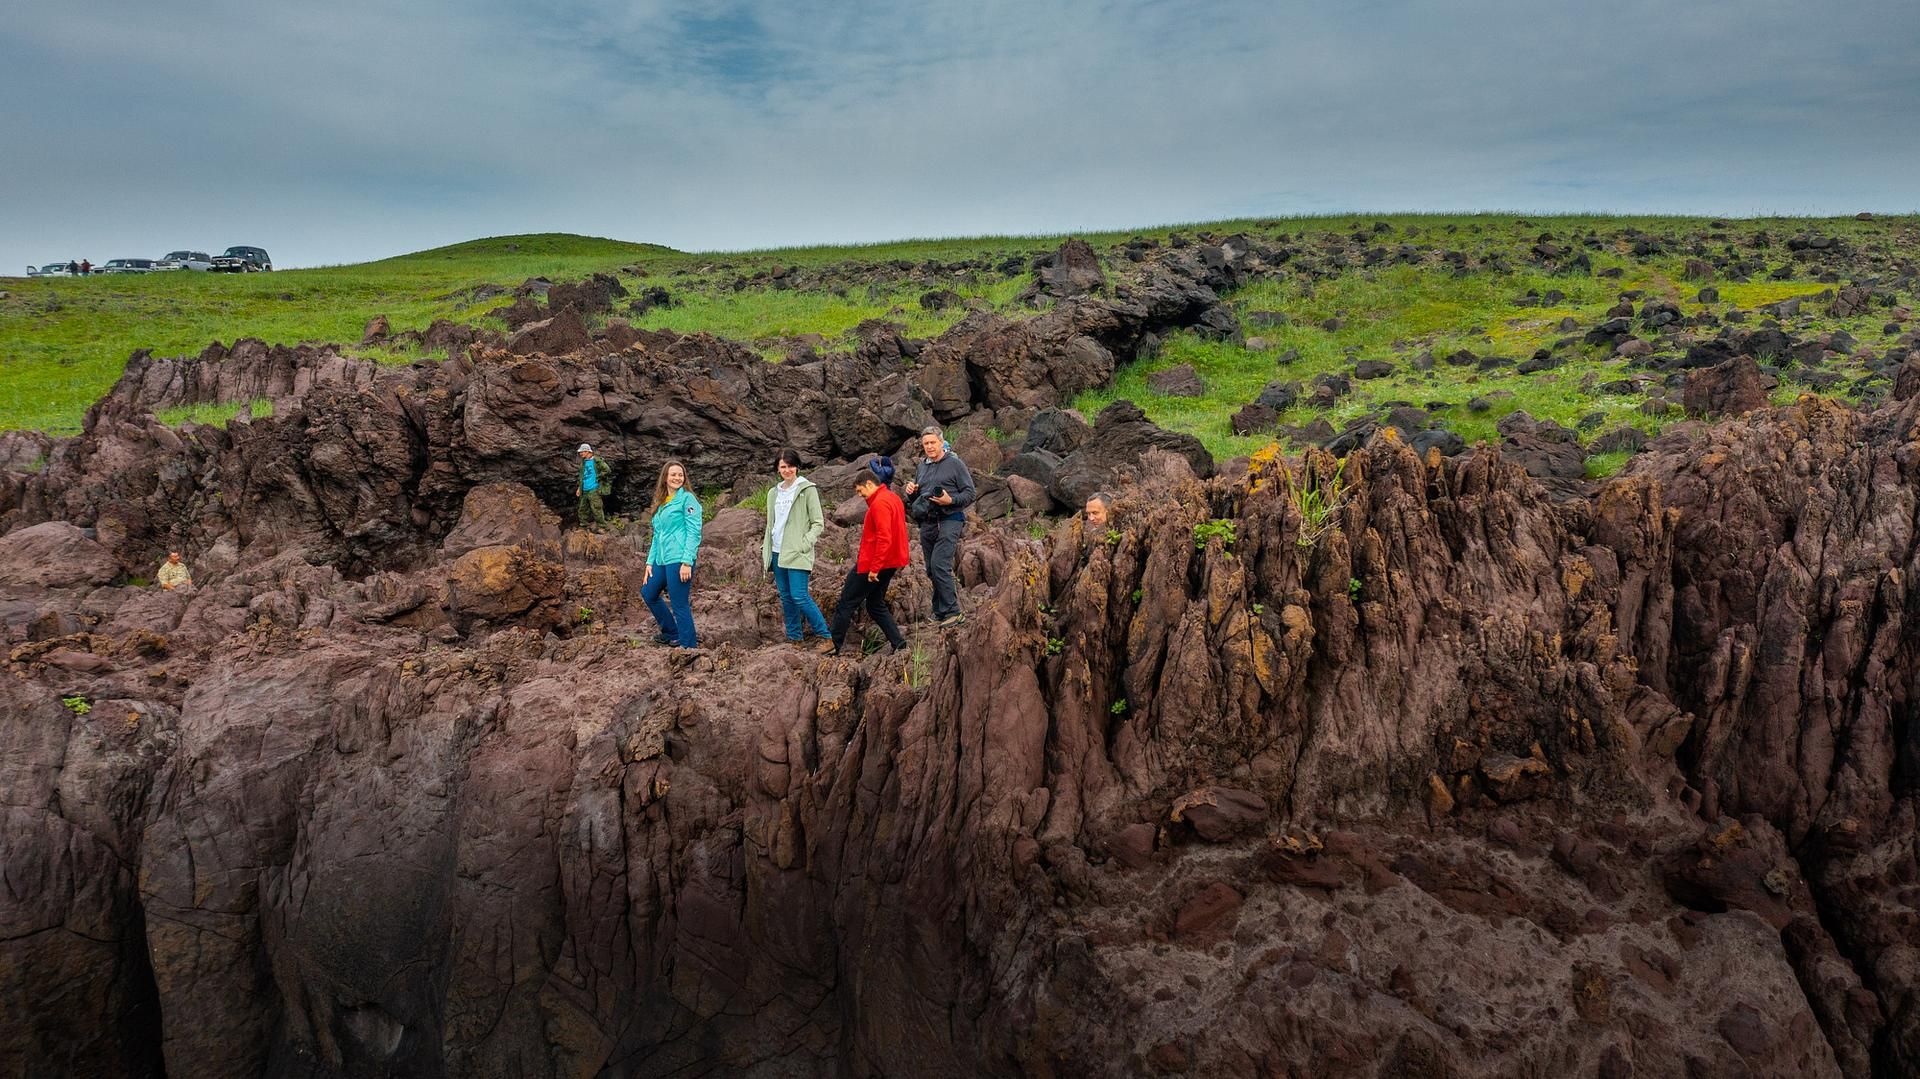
64,341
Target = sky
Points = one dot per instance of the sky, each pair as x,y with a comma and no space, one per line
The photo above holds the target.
356,129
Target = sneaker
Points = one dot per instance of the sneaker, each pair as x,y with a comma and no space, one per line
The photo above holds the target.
661,638
954,619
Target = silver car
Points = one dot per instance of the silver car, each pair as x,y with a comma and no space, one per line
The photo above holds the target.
185,260
51,269
127,266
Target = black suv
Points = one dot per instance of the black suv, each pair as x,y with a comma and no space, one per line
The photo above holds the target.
242,260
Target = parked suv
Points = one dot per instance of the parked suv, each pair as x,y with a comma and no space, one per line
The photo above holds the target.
127,266
184,260
242,260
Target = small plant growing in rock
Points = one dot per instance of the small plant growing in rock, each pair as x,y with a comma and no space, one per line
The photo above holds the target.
1113,537
77,705
1036,530
1317,500
585,614
1054,645
1119,707
1207,530
1353,589
1259,609
1137,594
918,668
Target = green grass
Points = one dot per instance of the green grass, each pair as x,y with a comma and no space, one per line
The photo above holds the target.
764,317
213,415
63,342
1394,312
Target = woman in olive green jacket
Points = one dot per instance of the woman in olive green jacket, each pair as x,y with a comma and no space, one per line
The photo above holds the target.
793,528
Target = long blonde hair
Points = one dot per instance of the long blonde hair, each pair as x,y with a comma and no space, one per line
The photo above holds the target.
660,491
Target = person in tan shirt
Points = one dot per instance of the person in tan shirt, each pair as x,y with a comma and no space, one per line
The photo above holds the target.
174,573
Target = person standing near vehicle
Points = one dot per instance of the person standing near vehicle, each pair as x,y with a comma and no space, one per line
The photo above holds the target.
941,490
883,552
670,555
592,510
86,267
793,528
73,269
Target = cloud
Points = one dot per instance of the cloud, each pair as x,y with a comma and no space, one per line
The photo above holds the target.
358,129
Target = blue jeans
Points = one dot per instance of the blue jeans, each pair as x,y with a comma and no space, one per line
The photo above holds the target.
674,613
796,602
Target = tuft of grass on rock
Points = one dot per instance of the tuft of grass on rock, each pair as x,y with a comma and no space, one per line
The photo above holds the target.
216,414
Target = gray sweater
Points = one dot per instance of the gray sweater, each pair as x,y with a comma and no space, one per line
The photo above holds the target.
951,473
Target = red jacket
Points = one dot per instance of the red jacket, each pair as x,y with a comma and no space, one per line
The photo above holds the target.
883,539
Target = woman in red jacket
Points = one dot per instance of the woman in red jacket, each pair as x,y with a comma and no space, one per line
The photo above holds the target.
883,551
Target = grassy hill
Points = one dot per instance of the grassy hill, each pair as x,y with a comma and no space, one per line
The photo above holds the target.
63,341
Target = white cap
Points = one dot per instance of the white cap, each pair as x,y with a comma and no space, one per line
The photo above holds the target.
584,448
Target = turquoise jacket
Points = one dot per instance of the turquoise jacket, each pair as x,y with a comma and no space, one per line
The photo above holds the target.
676,530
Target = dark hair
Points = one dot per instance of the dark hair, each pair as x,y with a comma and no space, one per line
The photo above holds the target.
788,456
880,470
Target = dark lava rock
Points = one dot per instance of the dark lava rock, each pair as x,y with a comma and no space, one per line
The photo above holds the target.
1372,369
1449,443
1733,388
1180,381
1253,419
1279,395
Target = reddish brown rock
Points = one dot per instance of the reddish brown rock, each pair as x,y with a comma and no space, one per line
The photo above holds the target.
1733,388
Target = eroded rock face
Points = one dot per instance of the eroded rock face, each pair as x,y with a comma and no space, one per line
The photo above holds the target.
1472,781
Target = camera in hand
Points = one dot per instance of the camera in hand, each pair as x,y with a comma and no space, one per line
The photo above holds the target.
923,507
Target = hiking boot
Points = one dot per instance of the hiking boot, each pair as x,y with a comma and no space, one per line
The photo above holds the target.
826,648
954,619
661,638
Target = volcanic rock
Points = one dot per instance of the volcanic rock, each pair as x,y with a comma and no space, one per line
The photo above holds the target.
1733,388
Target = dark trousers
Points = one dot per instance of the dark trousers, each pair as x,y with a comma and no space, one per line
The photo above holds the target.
938,543
859,592
675,613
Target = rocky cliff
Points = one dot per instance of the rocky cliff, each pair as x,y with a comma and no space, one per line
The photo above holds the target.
1458,780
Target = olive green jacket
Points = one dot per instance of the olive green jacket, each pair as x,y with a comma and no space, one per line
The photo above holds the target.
804,522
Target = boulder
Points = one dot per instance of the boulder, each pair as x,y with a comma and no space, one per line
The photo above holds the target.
1056,431
523,311
1071,270
1028,494
1731,389
503,514
1253,419
1220,814
501,582
377,330
55,555
1279,395
563,333
1368,369
593,296
1181,381
1122,436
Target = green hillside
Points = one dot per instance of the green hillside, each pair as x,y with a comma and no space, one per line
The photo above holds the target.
64,341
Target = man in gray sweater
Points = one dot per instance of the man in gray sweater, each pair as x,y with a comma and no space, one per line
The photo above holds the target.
941,490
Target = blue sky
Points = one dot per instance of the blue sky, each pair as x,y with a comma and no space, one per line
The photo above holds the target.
354,130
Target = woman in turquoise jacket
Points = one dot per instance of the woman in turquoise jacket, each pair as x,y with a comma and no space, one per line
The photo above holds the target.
670,554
